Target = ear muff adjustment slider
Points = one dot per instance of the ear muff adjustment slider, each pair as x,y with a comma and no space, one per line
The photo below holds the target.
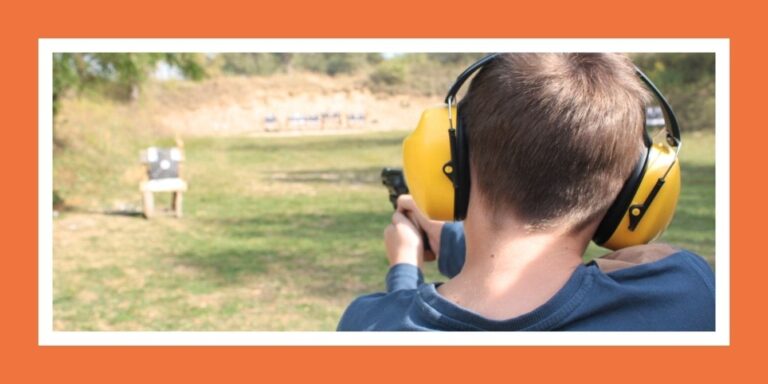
637,211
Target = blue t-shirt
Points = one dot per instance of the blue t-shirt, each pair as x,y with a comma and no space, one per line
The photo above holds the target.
676,293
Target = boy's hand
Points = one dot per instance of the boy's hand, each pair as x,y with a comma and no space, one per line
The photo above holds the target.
403,241
433,228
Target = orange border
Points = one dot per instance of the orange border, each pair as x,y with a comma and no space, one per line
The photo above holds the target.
22,25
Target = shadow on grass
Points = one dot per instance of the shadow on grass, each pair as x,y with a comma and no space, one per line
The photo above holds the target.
125,213
227,265
340,144
371,175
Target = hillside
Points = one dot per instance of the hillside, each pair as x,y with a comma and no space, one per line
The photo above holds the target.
280,103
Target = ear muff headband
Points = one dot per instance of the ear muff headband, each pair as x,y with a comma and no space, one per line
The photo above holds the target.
462,78
673,129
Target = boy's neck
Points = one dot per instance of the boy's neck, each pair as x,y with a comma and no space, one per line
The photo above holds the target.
510,271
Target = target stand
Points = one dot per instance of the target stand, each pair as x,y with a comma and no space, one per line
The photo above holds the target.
163,175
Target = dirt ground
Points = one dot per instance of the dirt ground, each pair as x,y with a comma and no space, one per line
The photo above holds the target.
282,104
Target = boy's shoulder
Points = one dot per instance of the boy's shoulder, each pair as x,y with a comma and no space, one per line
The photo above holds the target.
653,259
378,311
650,288
639,255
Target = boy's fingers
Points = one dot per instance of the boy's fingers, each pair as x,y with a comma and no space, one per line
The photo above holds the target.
414,218
407,206
400,218
405,203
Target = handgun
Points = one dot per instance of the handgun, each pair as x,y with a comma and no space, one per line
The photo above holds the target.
394,180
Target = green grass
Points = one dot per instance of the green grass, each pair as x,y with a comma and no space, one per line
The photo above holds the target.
278,233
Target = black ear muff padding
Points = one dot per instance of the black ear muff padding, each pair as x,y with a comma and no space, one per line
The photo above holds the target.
463,185
616,212
460,153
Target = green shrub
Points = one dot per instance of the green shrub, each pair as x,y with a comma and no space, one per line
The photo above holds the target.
390,72
58,201
688,82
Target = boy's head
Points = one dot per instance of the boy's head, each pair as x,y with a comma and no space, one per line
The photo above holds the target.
553,136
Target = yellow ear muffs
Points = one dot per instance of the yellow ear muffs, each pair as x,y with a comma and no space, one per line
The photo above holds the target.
653,204
426,155
641,212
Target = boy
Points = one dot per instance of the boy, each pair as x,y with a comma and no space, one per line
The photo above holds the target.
552,138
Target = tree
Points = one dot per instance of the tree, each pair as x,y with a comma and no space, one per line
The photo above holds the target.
688,82
265,64
253,63
124,72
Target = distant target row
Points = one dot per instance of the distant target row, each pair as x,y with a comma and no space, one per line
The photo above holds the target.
331,120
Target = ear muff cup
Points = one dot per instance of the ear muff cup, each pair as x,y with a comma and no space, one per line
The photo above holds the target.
661,181
426,164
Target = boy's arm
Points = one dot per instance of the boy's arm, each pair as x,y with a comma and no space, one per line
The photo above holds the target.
405,252
446,239
403,276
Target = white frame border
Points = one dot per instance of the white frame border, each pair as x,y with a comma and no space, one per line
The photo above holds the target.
48,337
